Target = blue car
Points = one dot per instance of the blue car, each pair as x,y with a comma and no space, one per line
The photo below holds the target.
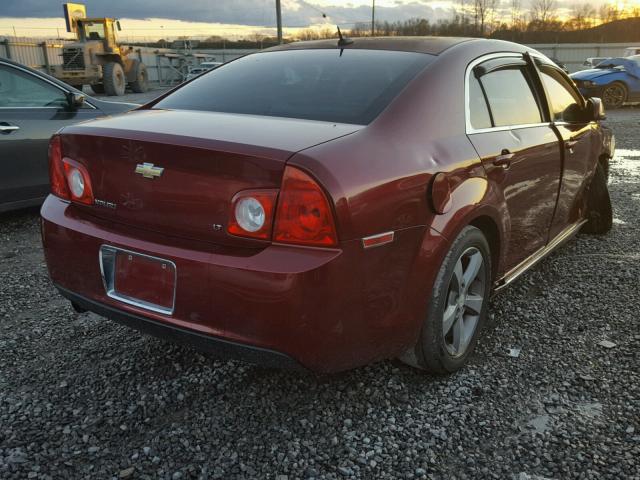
615,80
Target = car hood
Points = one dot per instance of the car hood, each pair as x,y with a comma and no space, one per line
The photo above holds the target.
593,73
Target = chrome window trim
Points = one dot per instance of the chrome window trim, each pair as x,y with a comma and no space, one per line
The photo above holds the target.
106,259
469,129
509,127
44,79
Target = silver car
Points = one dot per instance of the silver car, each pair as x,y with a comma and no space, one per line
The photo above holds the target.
201,68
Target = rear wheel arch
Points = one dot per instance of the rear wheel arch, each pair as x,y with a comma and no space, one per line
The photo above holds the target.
491,218
491,231
427,350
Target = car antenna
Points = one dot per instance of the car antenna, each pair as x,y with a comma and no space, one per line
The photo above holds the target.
343,40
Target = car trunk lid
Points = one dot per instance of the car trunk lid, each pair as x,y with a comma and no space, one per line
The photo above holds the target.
176,172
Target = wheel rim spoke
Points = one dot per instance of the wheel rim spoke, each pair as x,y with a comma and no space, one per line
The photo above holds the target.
458,274
473,303
458,335
464,301
448,319
470,274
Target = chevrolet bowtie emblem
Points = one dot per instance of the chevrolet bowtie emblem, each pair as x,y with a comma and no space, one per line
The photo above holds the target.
147,170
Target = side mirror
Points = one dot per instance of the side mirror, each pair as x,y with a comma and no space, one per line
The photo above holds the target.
75,100
595,107
118,25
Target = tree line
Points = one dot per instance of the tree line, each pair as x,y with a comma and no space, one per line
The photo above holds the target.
540,22
528,21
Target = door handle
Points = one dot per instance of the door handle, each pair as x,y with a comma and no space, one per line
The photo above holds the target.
569,144
504,159
8,128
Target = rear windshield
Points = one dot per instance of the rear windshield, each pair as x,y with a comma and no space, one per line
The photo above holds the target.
352,86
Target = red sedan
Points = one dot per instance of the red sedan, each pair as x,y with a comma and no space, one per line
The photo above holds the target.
326,205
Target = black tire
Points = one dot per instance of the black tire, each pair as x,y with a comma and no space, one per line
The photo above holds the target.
141,83
97,88
432,351
114,80
615,95
599,211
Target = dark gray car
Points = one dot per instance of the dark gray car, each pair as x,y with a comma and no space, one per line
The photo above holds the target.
33,106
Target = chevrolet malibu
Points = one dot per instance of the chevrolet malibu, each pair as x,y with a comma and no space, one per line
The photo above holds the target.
329,204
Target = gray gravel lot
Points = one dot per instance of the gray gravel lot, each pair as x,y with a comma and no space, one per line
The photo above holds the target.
82,397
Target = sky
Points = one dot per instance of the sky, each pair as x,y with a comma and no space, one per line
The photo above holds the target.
153,19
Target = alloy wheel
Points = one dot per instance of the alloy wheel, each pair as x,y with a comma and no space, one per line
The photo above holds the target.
464,301
613,96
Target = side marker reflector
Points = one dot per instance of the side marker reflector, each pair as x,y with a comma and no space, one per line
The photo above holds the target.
377,240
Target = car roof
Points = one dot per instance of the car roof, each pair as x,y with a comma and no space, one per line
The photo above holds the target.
430,45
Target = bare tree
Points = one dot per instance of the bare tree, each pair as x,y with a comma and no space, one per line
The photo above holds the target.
582,17
543,11
516,13
482,11
463,11
609,13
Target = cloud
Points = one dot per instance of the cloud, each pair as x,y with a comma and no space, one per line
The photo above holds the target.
246,12
296,13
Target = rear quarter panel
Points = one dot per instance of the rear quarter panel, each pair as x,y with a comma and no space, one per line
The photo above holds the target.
379,179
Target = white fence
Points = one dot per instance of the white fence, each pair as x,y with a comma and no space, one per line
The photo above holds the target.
167,66
164,65
573,55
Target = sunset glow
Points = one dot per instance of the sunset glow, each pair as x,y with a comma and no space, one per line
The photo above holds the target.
297,16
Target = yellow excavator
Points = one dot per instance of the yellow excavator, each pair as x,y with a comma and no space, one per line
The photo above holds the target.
96,58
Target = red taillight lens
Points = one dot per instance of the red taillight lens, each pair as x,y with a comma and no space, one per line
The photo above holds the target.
69,179
78,181
56,170
303,215
252,213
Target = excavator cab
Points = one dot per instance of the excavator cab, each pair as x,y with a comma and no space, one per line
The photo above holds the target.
99,29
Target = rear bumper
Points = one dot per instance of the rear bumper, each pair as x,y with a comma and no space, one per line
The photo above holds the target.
327,309
205,343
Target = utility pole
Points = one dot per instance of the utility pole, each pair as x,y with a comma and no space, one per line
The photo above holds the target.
279,21
373,18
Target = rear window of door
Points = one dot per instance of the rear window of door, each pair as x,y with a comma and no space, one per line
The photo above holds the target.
478,109
510,97
347,86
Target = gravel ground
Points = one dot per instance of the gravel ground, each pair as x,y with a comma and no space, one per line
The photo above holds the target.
81,397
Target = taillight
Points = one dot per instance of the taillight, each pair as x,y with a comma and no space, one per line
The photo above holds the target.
56,170
303,214
69,179
252,213
78,181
